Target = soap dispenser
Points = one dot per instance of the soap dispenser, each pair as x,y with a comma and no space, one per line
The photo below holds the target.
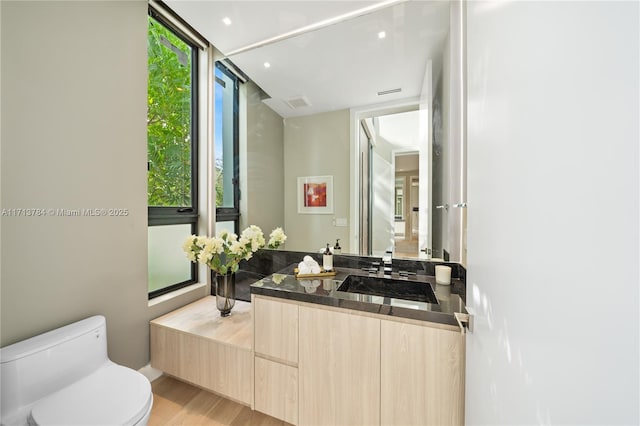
337,249
327,259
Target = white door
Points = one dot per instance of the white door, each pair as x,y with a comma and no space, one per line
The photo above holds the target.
553,95
414,206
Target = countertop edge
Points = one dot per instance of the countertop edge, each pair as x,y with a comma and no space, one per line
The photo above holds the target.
426,315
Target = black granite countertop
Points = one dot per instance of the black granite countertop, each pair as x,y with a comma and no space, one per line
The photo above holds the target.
285,285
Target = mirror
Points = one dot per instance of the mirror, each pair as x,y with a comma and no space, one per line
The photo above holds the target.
398,157
326,68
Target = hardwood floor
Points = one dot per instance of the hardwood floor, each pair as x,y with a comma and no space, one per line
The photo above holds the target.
178,403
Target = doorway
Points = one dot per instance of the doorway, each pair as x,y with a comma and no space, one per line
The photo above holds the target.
407,204
396,156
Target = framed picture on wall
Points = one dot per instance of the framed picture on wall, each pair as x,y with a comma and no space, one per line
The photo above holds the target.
315,195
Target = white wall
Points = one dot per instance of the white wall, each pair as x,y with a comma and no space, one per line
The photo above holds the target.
553,190
316,145
74,78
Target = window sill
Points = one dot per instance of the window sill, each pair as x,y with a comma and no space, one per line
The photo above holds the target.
174,294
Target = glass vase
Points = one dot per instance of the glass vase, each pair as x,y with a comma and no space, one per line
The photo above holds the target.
225,292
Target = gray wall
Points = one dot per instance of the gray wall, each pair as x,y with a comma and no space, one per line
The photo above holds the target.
439,146
316,145
74,136
262,197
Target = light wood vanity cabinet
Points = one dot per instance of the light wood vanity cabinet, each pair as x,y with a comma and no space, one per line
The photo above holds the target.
311,364
422,374
195,344
354,368
339,368
276,329
276,389
276,358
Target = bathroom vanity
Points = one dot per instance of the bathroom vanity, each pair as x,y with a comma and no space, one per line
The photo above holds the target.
308,353
325,356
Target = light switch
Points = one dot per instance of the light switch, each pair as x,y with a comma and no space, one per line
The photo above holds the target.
341,221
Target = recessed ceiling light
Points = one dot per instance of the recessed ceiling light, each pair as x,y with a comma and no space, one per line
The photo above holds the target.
382,34
267,65
226,20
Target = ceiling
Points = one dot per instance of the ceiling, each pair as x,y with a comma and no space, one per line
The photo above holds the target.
401,130
337,60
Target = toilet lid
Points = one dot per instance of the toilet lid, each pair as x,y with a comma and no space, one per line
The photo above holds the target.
112,395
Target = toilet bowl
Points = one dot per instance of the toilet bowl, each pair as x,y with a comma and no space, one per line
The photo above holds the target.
113,395
64,377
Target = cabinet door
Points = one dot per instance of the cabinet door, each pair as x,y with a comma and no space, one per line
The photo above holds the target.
164,349
175,353
339,368
276,329
226,370
214,366
422,375
276,387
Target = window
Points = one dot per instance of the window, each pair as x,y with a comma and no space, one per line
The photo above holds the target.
226,137
172,154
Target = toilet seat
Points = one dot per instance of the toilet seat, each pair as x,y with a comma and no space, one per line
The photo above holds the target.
112,395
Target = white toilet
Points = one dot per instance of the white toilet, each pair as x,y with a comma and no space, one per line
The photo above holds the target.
64,377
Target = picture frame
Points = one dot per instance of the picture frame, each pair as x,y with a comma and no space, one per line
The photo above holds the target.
315,195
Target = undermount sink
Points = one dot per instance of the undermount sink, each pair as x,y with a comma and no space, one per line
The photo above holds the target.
388,287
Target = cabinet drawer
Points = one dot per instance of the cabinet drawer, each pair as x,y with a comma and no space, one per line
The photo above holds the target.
276,329
276,390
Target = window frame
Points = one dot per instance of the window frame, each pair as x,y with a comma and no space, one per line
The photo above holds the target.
232,214
180,215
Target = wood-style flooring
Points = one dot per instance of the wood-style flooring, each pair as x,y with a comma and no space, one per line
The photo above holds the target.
406,248
178,403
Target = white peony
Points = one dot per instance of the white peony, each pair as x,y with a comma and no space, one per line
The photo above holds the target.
214,245
200,241
236,248
224,252
276,238
206,255
188,243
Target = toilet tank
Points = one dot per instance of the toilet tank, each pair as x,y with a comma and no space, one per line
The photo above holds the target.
36,367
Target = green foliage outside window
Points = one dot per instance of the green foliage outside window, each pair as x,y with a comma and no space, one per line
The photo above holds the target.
168,118
219,183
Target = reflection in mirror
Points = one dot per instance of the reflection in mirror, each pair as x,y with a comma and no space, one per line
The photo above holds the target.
324,107
399,203
396,151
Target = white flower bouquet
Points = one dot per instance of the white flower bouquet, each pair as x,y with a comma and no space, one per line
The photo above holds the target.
276,238
224,252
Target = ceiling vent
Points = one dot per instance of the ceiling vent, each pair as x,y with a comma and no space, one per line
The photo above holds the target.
388,92
298,102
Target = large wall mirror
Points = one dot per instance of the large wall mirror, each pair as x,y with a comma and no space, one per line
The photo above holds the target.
368,93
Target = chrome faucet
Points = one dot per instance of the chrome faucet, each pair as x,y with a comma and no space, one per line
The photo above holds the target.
384,267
